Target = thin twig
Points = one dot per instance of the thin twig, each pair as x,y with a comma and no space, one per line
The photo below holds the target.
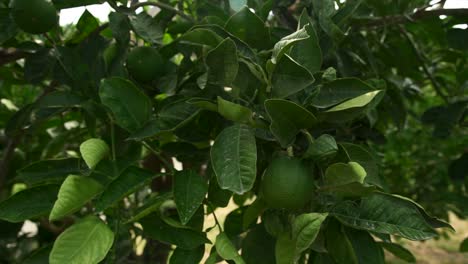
214,216
420,58
169,166
419,14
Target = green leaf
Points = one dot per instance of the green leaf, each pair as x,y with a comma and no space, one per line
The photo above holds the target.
234,112
184,238
201,37
222,63
287,119
289,77
216,195
307,52
305,229
39,256
252,213
183,256
189,191
368,161
338,244
130,106
285,249
85,26
398,251
321,148
151,205
340,90
342,173
387,214
147,27
87,241
365,248
48,171
93,151
258,246
284,45
234,159
75,192
248,27
226,249
126,183
60,99
359,101
29,203
353,189
172,116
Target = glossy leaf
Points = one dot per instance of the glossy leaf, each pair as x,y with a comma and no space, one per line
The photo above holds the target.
359,101
29,203
307,52
130,106
226,249
282,46
305,229
74,193
189,191
364,246
387,214
248,27
289,78
46,171
147,27
234,159
87,241
338,244
287,119
93,151
338,91
125,184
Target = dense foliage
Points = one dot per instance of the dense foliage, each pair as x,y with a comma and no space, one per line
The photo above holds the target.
323,122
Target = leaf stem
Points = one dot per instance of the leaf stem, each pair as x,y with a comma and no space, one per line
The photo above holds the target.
214,216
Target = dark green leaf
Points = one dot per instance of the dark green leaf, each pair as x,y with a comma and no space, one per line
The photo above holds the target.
127,183
130,106
29,203
387,214
248,27
321,148
234,159
183,256
398,251
338,244
147,27
337,91
285,249
365,248
287,119
226,249
222,63
234,112
189,191
289,77
181,237
257,246
46,171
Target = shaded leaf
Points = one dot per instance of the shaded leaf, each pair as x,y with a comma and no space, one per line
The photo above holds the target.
29,203
234,112
222,63
189,191
398,251
248,27
46,171
289,77
339,90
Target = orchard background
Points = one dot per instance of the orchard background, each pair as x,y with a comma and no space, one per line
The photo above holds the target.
308,131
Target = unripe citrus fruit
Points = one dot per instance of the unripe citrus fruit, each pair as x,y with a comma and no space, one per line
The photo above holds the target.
287,183
144,64
34,16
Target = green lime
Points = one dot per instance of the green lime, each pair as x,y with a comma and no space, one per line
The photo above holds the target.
144,64
34,16
287,183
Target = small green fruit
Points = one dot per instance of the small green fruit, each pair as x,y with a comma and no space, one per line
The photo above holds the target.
144,64
287,183
34,16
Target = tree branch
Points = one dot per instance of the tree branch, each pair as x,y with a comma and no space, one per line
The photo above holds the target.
420,14
428,73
